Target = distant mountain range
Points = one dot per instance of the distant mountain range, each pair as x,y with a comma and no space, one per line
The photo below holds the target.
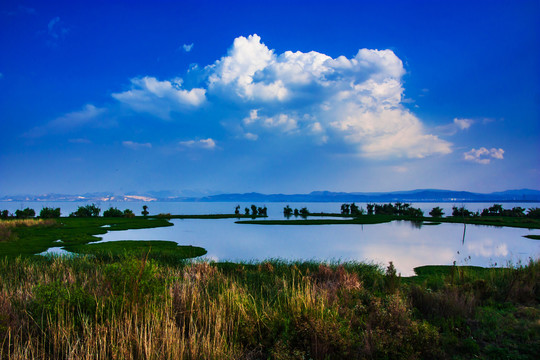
421,195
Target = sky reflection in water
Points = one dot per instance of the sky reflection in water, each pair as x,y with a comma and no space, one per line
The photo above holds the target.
402,242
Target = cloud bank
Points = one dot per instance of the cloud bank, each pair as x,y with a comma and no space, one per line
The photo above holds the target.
352,102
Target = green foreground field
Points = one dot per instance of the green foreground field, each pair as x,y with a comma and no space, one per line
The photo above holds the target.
134,307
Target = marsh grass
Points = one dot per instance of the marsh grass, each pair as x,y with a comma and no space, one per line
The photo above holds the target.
140,308
7,227
34,236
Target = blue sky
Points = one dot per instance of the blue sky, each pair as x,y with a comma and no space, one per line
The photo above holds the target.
268,96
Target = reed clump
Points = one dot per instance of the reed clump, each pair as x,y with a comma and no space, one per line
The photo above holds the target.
137,307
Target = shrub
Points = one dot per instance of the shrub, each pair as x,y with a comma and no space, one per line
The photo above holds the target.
436,212
534,213
86,211
49,213
25,214
113,212
128,213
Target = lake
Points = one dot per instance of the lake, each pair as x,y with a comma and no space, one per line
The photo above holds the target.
404,243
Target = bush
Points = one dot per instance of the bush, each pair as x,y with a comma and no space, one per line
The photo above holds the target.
128,213
4,214
49,213
113,212
436,212
25,214
534,213
86,211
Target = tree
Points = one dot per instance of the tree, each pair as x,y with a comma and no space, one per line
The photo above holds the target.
253,210
86,211
128,214
4,214
533,213
495,210
518,211
237,210
296,213
436,212
345,210
145,210
287,211
113,212
49,213
355,210
246,211
370,208
304,212
25,214
461,211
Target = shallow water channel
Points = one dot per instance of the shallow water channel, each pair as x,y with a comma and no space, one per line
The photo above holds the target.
404,243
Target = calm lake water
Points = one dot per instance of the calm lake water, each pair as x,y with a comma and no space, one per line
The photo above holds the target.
402,242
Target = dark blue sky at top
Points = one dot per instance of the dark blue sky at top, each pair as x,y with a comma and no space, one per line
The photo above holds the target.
471,80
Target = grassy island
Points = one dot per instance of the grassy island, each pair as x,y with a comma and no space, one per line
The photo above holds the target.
527,223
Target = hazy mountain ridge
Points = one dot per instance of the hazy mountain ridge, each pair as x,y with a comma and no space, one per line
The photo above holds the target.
419,195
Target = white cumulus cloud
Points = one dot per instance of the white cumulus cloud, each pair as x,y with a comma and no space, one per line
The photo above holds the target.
208,144
483,155
356,100
160,98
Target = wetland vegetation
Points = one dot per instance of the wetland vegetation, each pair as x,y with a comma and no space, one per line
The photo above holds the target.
145,299
134,307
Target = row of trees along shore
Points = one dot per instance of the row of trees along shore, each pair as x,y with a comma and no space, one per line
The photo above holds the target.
82,211
405,209
255,211
397,209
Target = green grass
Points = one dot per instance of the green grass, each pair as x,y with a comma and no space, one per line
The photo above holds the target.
160,250
29,240
519,222
135,307
209,216
534,237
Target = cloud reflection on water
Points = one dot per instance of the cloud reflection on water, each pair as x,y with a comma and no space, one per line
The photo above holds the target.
407,246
